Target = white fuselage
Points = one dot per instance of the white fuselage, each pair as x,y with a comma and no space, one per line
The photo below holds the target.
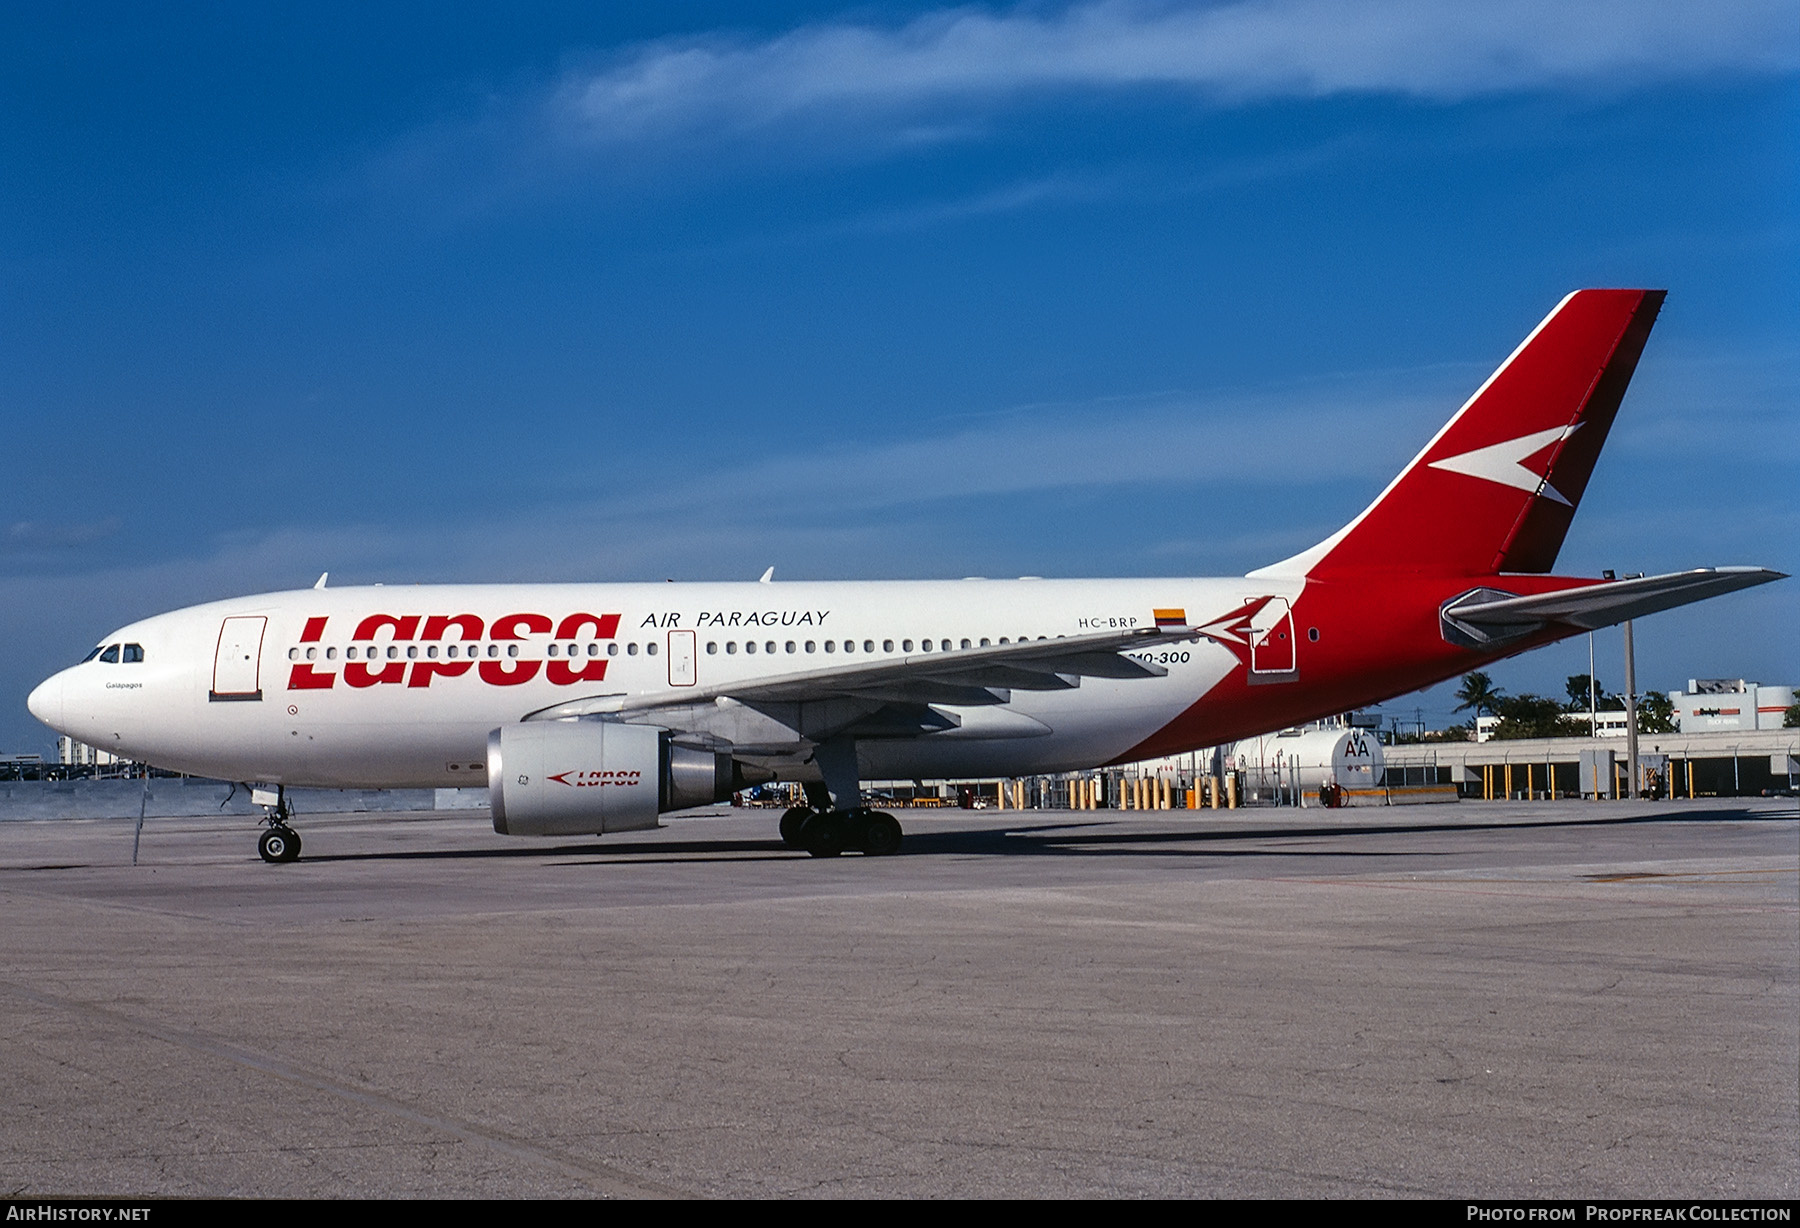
300,698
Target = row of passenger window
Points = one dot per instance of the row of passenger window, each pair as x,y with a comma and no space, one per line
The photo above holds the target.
113,654
792,646
612,648
454,652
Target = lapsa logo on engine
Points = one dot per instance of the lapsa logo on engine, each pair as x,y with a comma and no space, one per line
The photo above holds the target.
588,778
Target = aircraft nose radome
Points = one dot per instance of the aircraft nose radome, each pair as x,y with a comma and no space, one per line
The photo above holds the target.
46,702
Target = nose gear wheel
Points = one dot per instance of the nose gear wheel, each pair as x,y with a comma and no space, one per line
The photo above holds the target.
279,844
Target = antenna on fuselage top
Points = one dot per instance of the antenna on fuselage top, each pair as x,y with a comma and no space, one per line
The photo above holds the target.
767,576
322,577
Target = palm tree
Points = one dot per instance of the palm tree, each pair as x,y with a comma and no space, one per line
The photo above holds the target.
1479,693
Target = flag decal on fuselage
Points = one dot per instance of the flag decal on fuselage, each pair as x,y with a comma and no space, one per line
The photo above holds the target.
1171,618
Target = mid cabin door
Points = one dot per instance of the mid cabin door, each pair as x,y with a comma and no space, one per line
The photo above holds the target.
237,662
684,666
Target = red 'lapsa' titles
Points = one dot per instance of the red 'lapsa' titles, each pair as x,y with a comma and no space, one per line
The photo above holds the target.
594,778
463,629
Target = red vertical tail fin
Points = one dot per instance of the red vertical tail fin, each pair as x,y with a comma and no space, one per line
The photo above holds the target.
1495,490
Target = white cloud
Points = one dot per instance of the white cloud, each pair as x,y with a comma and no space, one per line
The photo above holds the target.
1256,49
1376,421
36,537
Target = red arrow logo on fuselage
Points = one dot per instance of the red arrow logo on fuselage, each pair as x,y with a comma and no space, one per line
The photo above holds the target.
1233,629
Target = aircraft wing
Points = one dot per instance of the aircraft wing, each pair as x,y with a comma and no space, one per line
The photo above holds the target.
1487,616
964,677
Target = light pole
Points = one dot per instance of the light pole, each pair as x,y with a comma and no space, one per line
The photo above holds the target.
1593,690
1631,729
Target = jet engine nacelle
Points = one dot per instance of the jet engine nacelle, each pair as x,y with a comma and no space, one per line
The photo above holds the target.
576,778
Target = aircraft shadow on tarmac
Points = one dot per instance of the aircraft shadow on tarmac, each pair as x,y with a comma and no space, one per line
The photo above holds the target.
1051,839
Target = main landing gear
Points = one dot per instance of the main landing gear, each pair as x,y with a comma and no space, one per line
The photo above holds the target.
834,818
278,843
826,833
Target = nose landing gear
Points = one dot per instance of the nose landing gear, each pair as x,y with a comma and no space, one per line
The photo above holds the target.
279,843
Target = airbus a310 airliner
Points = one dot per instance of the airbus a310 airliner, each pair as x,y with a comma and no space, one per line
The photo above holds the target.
592,708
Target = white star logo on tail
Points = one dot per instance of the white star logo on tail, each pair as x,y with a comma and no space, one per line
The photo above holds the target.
1505,462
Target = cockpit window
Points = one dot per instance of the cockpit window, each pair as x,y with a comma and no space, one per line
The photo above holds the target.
111,655
133,653
93,654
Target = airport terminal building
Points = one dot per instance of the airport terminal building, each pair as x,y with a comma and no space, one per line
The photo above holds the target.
1711,704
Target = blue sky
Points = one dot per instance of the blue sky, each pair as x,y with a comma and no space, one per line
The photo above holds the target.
613,292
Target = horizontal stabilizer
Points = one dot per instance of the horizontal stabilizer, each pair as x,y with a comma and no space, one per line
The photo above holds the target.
1488,616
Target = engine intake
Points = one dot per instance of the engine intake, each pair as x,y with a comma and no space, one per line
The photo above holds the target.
572,778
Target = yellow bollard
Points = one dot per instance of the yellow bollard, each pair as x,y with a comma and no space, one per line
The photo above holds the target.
1231,792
